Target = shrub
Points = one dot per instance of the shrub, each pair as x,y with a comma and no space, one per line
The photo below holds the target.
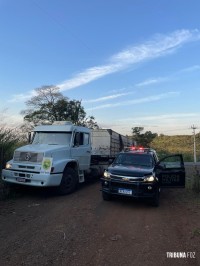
10,139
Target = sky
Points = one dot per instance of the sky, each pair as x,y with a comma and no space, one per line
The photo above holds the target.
132,63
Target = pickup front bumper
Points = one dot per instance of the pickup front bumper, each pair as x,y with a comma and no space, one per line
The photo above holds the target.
131,189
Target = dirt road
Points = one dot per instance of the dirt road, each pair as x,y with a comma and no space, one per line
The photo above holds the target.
39,228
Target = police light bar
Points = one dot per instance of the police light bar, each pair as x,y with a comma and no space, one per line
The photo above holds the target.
134,148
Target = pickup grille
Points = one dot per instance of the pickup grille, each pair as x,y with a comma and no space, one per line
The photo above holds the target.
32,157
127,178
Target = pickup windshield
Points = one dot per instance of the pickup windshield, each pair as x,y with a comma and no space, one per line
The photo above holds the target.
136,160
52,138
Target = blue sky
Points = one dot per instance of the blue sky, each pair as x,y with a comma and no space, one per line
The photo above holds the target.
132,63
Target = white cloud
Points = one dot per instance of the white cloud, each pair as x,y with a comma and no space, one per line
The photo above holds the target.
190,69
89,75
106,98
136,101
10,119
22,97
150,81
162,117
159,45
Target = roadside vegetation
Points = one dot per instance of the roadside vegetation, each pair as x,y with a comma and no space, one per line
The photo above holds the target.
10,139
166,145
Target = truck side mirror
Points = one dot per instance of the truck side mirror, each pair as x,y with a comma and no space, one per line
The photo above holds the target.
29,137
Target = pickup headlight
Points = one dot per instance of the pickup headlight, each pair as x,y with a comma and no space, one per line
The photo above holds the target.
8,165
106,174
149,178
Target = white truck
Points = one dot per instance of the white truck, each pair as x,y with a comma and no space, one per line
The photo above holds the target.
62,154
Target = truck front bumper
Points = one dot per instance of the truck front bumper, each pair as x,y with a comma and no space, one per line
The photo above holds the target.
31,179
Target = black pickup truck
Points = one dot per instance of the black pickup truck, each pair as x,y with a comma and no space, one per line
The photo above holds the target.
138,173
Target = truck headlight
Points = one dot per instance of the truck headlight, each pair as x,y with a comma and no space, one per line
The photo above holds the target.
8,165
149,178
106,174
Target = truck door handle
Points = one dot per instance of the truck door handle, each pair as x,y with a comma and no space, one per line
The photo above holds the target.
88,151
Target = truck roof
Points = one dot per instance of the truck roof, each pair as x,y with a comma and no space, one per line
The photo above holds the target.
61,128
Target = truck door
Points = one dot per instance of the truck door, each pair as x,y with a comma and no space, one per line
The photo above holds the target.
81,150
170,171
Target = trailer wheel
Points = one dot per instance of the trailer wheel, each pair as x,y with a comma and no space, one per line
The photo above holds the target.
106,196
69,181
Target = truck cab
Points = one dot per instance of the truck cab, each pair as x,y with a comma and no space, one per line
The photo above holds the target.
57,156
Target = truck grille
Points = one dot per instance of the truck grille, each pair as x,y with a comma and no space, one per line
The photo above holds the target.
32,157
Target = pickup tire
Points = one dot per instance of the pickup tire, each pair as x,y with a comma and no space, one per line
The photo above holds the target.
69,181
106,196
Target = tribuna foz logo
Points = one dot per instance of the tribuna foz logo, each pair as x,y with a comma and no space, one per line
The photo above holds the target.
180,255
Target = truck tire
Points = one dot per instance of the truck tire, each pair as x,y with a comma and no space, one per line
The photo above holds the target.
69,181
106,196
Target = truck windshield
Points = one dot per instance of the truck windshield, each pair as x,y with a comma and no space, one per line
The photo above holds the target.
52,138
137,160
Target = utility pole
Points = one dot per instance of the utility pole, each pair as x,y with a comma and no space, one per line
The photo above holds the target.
193,128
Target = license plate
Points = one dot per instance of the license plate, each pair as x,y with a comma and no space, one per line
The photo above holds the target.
125,191
21,179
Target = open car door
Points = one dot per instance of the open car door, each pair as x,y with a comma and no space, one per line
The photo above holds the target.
170,171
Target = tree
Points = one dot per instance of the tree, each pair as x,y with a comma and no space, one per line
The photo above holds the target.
9,139
41,107
136,134
49,105
91,123
137,130
65,110
144,139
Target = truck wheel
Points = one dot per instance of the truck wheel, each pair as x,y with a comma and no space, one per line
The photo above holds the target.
106,196
69,181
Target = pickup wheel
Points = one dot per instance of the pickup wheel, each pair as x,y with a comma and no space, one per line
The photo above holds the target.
106,196
69,181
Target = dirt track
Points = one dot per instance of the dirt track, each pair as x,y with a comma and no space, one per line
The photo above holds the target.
38,228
